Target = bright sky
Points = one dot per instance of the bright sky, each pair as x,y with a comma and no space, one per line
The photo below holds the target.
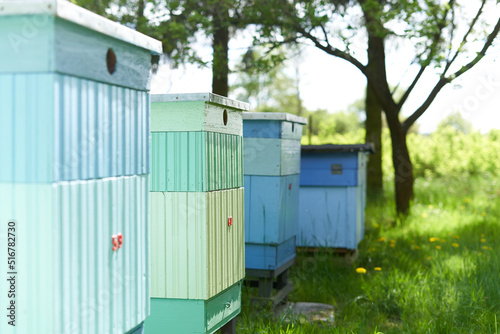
330,83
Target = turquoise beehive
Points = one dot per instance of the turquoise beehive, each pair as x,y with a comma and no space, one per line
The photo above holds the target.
333,195
272,167
74,134
197,213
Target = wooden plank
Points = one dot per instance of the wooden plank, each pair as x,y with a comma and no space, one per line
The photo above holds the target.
262,156
317,169
291,130
177,116
262,129
290,156
194,116
223,307
226,254
176,316
269,257
262,205
324,217
77,15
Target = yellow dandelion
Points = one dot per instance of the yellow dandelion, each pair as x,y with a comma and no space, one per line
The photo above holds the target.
431,206
456,237
482,235
454,244
443,240
361,270
377,225
424,215
467,200
479,253
483,214
393,241
462,207
433,239
438,247
392,245
485,247
377,269
381,239
417,247
428,258
483,240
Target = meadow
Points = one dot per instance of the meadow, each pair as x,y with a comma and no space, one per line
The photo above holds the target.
437,271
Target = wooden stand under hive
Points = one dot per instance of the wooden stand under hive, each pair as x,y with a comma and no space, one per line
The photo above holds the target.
197,213
74,137
272,167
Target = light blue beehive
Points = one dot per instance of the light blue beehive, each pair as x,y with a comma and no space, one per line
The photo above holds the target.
74,134
271,168
332,195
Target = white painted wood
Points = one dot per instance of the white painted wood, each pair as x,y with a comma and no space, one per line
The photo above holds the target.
274,116
73,13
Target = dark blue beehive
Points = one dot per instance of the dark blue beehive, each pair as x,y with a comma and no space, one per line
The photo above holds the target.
332,195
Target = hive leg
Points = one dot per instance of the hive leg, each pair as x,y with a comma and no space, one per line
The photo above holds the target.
230,327
265,287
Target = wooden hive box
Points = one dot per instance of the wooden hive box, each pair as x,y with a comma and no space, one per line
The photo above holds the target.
333,195
197,213
272,167
74,128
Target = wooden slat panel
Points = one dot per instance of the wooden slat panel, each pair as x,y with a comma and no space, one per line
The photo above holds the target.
226,254
290,156
196,161
178,249
262,156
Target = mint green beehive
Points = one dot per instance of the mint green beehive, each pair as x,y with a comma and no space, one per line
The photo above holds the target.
197,212
74,152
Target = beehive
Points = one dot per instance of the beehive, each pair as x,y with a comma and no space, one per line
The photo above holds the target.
197,214
272,167
333,195
74,127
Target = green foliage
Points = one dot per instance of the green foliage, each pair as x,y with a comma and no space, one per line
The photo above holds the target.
438,271
457,122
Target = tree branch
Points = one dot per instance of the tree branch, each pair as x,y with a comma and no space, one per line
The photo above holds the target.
331,50
409,90
444,80
464,40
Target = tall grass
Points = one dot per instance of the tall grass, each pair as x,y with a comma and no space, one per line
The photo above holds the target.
439,272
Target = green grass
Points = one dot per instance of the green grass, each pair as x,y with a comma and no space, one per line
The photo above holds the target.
448,285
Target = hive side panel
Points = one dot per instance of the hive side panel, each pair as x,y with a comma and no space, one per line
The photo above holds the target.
290,157
98,289
223,119
178,161
291,130
289,210
262,129
83,53
101,130
26,127
224,161
26,43
323,217
34,253
226,254
178,249
177,116
262,156
329,169
263,208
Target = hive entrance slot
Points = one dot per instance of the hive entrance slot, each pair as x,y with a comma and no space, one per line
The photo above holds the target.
224,117
111,61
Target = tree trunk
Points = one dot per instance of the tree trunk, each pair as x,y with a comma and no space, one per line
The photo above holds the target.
373,128
403,168
220,69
